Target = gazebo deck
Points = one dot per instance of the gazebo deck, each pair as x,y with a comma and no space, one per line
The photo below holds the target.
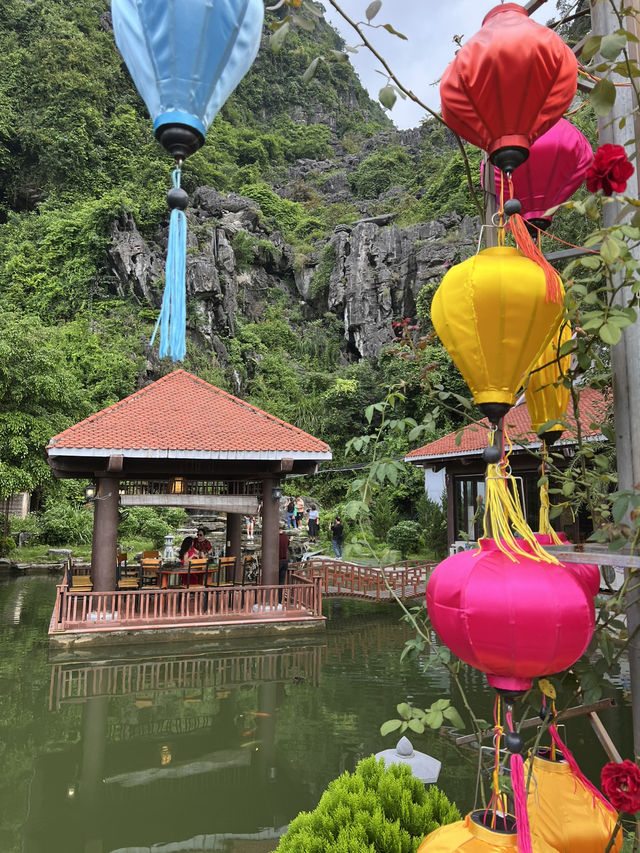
94,615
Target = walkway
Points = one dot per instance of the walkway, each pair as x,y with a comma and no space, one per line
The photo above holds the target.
339,579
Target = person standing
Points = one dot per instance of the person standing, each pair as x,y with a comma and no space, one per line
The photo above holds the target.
290,509
337,536
283,555
300,511
313,523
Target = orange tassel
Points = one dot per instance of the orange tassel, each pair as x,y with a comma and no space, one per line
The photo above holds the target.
531,251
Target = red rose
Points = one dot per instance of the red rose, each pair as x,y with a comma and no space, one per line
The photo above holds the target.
610,170
621,785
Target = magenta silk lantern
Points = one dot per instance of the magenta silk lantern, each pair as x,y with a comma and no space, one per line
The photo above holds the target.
557,165
513,621
587,573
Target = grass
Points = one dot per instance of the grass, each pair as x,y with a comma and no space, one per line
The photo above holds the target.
38,553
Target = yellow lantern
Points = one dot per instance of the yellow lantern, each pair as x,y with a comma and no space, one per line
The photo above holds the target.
472,836
494,315
547,398
564,812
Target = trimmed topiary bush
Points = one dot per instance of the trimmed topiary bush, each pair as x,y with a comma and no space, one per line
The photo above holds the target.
373,810
405,537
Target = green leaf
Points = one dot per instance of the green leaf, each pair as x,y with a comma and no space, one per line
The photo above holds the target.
391,30
440,705
310,8
454,717
373,9
603,97
434,719
277,39
368,413
591,47
404,709
339,56
610,334
390,726
303,23
609,251
387,97
612,45
416,726
310,73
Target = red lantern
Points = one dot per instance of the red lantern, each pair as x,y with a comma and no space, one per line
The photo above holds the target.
557,166
511,620
508,84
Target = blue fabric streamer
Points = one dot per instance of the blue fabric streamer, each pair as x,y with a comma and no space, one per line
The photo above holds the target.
173,314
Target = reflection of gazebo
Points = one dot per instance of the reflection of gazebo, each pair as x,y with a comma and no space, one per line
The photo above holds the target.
183,442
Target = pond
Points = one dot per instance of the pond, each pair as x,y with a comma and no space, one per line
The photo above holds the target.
209,748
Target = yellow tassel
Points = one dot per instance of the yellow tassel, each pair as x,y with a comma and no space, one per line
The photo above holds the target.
544,525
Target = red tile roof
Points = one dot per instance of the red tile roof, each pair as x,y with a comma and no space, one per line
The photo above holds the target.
518,423
181,415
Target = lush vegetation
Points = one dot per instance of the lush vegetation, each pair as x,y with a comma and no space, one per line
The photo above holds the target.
373,809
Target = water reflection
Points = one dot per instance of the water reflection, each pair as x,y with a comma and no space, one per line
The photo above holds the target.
206,748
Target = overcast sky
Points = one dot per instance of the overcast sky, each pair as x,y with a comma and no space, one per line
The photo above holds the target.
420,61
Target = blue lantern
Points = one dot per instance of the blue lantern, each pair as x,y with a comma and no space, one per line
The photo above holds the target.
186,57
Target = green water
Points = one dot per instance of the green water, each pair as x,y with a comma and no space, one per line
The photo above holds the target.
208,748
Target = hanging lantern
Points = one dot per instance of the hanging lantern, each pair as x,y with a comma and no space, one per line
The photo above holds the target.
508,84
494,316
557,166
546,395
185,58
475,834
511,620
565,810
587,573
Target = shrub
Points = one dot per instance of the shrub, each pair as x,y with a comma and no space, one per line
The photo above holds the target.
434,516
28,524
373,810
146,523
383,515
66,524
405,537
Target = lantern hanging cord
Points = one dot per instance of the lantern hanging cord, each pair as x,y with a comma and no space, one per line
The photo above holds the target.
498,803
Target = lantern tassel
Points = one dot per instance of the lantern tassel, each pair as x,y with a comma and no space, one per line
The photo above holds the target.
503,511
531,251
172,319
544,525
575,769
519,797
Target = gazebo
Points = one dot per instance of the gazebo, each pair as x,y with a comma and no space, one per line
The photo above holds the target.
182,442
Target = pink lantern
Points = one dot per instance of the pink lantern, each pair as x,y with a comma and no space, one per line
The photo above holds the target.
587,573
512,620
557,165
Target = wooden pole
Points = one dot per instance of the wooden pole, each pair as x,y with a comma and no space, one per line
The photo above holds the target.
625,356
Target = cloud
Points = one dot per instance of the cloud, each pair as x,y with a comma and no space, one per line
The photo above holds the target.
418,62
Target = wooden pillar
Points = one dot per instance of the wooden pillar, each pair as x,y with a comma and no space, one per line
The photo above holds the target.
234,540
270,532
105,535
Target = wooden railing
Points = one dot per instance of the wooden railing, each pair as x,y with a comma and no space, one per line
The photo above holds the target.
73,682
337,578
153,608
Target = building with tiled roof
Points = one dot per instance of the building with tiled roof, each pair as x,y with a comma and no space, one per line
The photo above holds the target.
454,466
182,417
182,442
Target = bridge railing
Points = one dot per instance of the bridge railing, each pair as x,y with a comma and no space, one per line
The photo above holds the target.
407,579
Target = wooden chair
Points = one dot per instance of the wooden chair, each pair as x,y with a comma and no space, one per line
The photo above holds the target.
80,582
198,569
127,577
153,555
226,571
149,568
